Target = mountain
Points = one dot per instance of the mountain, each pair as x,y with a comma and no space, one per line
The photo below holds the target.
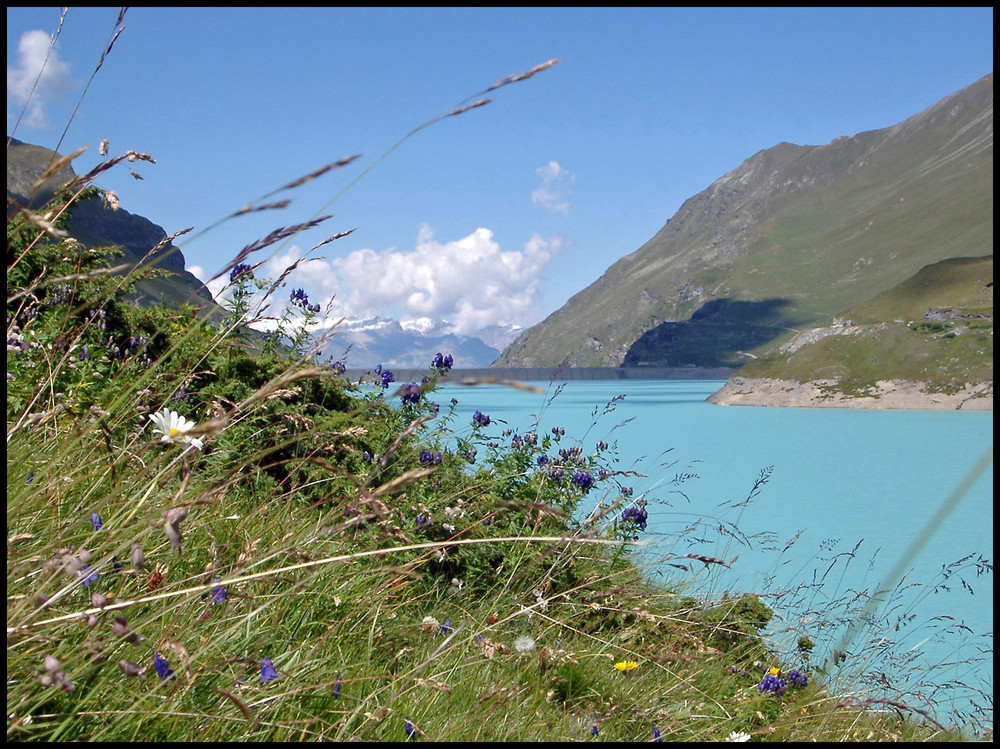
363,344
926,343
95,224
789,239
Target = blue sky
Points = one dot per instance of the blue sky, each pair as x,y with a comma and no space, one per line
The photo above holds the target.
498,215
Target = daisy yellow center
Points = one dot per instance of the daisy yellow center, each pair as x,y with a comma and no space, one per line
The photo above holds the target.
174,431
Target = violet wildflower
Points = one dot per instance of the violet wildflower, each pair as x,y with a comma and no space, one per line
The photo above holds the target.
797,678
772,683
583,480
426,456
267,671
656,735
411,730
238,270
336,688
299,298
446,627
636,516
593,729
479,419
87,576
218,592
410,393
95,521
442,363
163,669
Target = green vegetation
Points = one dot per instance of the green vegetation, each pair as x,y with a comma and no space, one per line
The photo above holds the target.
319,559
935,328
214,537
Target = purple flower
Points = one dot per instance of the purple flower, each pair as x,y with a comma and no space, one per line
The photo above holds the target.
656,735
442,363
338,367
426,456
385,375
772,683
336,688
411,730
238,270
267,672
636,515
87,576
583,480
797,678
163,669
218,592
95,521
299,298
593,729
446,627
479,419
410,393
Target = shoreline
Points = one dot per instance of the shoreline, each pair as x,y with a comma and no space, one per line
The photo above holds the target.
887,395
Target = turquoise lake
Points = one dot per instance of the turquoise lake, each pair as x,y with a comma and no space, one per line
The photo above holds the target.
847,494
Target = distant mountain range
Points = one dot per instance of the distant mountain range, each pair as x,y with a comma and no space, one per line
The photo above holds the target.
363,344
789,240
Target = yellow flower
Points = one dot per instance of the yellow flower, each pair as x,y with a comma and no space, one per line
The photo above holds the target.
774,671
626,666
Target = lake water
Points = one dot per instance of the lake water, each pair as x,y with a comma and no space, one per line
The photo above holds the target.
859,487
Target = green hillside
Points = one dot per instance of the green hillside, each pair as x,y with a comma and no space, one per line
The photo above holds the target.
936,327
786,241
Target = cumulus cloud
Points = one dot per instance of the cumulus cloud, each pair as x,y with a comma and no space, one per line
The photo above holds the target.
34,63
469,282
555,188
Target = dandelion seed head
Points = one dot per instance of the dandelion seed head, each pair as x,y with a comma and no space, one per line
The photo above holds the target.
524,644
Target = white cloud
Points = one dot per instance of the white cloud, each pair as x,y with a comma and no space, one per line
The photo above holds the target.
555,188
215,287
52,76
470,282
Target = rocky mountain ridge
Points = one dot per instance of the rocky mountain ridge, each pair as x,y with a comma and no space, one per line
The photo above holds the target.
786,241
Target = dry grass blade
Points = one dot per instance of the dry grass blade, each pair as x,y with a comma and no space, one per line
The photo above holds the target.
275,236
319,172
472,381
264,207
524,76
207,587
400,481
473,105
240,704
45,224
334,238
55,166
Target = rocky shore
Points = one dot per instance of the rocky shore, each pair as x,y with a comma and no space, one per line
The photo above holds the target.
888,394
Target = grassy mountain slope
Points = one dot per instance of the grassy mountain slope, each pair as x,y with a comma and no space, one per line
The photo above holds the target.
785,241
936,327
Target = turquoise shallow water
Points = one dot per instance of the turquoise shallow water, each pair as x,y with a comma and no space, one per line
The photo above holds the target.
850,489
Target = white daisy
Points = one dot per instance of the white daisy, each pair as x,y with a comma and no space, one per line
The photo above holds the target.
174,428
738,737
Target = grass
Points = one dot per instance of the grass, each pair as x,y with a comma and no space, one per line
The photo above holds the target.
325,559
